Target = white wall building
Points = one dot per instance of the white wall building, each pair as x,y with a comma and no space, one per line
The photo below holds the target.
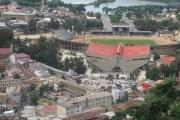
20,58
117,93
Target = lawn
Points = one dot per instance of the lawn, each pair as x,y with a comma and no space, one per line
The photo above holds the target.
124,41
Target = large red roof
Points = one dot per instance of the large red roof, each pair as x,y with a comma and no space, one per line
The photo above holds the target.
124,51
135,51
102,50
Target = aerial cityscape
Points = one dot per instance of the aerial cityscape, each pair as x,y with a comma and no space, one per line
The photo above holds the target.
89,59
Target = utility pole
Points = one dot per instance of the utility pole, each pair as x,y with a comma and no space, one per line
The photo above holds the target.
42,6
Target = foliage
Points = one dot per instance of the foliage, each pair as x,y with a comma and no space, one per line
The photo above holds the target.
32,3
161,103
156,57
32,26
6,36
81,24
5,2
124,98
115,18
76,64
16,76
146,25
44,51
153,74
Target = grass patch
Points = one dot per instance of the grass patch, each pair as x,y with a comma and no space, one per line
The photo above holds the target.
124,41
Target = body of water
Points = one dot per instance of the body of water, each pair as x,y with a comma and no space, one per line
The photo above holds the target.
112,5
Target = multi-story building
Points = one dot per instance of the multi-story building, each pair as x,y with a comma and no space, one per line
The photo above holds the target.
73,106
20,58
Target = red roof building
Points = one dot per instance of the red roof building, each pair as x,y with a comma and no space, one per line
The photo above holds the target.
128,58
50,110
146,86
167,60
121,50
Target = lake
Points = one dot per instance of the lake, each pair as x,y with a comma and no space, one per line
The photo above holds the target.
112,5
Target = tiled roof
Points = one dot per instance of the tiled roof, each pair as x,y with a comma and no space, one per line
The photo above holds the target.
63,34
121,50
20,55
5,51
90,115
102,50
50,109
167,59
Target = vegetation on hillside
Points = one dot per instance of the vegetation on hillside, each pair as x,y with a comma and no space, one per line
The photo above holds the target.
5,2
6,36
165,0
161,103
46,51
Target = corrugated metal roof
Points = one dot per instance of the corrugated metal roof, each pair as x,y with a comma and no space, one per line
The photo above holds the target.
63,34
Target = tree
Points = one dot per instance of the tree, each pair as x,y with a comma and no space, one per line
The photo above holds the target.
76,64
153,74
16,76
167,70
34,97
156,57
32,25
124,98
146,25
31,3
161,103
5,2
6,36
44,51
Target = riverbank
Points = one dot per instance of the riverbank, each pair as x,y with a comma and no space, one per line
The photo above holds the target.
97,3
165,1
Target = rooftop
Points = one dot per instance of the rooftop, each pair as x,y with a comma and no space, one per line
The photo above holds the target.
49,109
5,51
63,34
20,55
167,60
69,102
121,50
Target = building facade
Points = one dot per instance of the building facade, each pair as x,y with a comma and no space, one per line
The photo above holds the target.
19,58
78,105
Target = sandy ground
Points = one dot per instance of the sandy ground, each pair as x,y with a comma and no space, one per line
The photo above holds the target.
158,40
35,36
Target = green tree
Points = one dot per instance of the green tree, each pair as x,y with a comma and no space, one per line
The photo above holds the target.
6,37
153,74
146,25
5,2
76,64
124,98
161,103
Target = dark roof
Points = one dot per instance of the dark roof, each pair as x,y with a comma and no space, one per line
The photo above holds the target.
63,34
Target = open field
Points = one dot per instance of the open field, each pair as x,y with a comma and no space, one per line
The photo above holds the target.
124,41
151,40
